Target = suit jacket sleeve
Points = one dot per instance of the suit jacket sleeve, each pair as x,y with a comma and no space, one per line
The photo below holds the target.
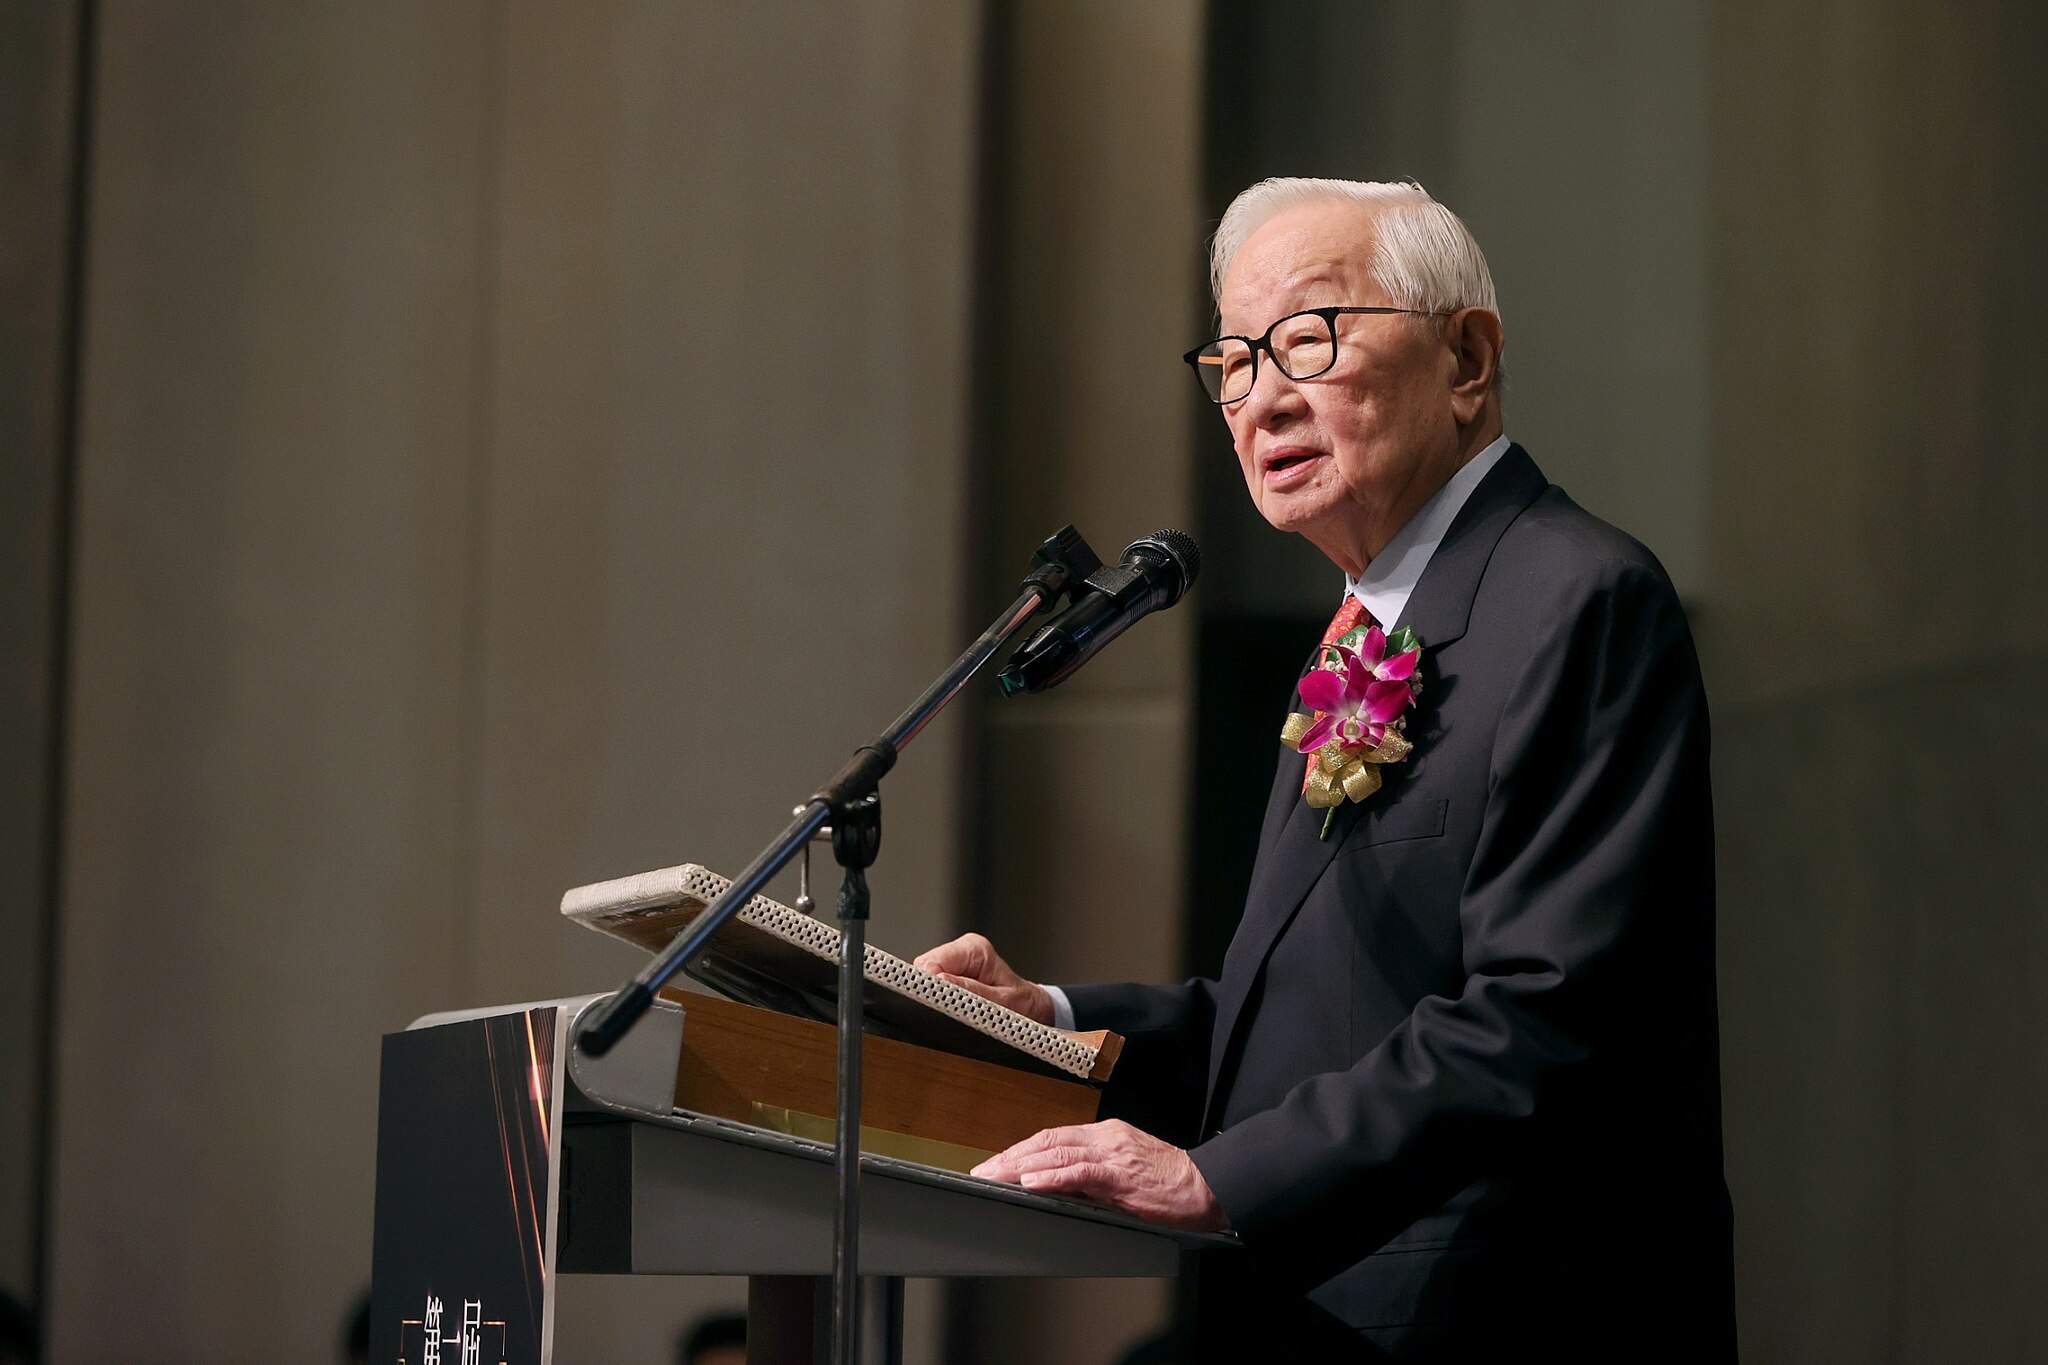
1158,1080
1595,820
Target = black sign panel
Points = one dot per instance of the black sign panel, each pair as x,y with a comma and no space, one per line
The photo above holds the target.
467,1120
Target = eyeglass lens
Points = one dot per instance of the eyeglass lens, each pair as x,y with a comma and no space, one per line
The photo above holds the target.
1303,346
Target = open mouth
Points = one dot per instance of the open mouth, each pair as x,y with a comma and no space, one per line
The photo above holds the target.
1287,460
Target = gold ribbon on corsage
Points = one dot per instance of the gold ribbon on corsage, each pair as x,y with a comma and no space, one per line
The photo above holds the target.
1339,773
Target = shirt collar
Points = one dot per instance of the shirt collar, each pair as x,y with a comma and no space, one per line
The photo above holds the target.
1385,585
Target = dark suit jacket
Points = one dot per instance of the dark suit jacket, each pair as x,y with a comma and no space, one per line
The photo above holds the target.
1457,1086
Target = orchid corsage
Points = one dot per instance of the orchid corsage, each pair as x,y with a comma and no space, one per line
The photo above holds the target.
1361,694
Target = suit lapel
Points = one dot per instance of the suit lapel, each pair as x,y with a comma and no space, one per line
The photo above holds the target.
1289,866
1293,858
1441,605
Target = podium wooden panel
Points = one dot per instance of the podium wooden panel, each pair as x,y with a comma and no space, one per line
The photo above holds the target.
637,1187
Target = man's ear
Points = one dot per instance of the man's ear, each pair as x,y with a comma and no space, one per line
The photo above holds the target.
1476,341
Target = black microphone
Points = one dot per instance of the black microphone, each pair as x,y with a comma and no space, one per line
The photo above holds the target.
1156,572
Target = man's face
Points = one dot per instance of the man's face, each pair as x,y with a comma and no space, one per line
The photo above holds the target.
1346,457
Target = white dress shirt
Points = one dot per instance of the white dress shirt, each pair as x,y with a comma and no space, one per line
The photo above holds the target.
1386,584
1388,581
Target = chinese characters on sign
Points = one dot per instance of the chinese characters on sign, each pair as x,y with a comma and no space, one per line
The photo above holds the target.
468,1339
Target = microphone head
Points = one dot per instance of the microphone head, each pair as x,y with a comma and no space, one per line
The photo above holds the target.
1172,547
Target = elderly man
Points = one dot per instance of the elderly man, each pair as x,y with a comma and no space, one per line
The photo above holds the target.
1457,1085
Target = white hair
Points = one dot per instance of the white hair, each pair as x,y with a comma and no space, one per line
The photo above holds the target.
1423,256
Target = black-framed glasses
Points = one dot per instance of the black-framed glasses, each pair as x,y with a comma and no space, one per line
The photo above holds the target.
1302,345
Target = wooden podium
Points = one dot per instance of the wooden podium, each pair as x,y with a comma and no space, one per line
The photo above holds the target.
505,1158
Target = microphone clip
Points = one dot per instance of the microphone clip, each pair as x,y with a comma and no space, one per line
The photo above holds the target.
1062,565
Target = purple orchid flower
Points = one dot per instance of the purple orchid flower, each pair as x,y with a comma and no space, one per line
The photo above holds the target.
1359,694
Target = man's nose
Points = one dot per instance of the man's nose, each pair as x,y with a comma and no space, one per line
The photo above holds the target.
1272,395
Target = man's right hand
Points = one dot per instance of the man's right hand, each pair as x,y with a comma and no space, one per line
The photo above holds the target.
972,961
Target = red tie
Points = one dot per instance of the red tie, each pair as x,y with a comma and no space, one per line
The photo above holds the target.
1342,624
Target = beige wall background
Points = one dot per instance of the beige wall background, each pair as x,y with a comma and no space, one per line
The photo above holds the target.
1879,362
496,418
522,444
1091,243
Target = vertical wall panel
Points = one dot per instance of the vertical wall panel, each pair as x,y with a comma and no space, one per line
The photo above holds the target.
39,68
1579,158
724,533
1877,637
728,428
1090,303
1881,336
264,817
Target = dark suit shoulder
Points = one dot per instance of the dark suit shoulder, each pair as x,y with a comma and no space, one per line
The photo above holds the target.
1556,530
1566,591
1555,561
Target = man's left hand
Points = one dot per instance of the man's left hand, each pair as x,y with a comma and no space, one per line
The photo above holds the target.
1115,1164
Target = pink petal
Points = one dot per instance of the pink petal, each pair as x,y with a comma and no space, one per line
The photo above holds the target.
1322,690
1317,735
1373,647
1386,700
1357,676
1398,667
1374,733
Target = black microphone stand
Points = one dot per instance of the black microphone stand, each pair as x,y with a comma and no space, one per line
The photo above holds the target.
852,804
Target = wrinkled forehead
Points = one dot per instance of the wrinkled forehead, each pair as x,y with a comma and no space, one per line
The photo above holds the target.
1311,256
